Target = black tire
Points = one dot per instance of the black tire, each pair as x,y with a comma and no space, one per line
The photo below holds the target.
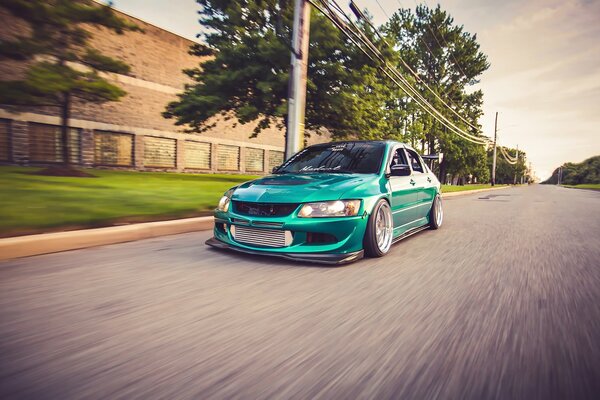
436,218
372,249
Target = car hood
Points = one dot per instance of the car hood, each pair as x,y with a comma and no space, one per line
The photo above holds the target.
299,188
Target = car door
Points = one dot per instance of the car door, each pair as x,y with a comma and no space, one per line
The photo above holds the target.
423,183
404,194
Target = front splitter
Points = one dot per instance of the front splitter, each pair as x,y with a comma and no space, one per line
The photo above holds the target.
332,259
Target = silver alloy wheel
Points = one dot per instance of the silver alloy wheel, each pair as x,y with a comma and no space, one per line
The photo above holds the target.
384,228
439,213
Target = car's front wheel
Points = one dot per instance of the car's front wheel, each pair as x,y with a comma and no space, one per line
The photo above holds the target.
436,214
380,230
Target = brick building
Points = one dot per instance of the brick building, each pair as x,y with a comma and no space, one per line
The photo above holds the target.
132,133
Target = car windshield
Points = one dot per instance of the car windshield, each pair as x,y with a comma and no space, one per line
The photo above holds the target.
352,157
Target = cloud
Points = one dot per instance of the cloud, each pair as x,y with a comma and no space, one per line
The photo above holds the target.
545,79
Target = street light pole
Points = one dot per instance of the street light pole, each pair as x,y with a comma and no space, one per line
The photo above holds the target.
294,137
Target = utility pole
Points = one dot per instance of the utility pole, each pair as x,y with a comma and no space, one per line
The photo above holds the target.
494,156
516,166
559,177
294,136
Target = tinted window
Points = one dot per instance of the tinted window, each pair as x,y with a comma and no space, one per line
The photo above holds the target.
361,158
398,158
414,161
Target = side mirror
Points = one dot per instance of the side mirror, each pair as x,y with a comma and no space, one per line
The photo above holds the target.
400,170
274,169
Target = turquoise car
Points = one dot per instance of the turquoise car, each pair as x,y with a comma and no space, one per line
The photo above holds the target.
332,203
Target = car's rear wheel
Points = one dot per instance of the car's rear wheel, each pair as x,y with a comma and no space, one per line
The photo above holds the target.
436,214
380,230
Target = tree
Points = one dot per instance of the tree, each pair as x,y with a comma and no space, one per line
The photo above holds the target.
347,94
448,60
247,78
587,171
62,66
507,173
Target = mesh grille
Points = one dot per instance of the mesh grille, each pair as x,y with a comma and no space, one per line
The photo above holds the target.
261,237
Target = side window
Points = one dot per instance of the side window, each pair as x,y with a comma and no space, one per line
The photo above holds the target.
414,161
398,157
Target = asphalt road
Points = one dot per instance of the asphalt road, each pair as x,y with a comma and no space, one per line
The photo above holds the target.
503,302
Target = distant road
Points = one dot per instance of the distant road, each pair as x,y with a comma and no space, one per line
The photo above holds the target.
503,302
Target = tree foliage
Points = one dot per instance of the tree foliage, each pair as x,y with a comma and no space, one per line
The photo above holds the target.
247,78
448,60
509,173
63,67
587,171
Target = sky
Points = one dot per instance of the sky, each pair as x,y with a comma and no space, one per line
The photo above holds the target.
544,79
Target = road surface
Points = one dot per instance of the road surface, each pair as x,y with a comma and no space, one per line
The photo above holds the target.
503,302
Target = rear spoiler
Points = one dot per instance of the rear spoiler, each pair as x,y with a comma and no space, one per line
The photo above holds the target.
435,157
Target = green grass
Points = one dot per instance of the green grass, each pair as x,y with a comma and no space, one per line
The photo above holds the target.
34,203
457,188
591,186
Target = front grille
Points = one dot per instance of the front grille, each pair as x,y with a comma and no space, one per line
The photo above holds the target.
264,209
261,237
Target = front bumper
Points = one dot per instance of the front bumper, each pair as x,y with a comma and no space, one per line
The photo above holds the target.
344,242
321,258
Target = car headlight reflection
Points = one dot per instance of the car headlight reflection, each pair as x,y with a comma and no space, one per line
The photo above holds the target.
225,201
337,208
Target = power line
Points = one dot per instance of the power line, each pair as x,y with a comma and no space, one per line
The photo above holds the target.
446,43
405,85
441,47
415,74
510,159
420,99
507,157
374,54
431,51
382,9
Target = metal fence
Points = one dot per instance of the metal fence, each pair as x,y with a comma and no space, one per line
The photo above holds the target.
38,143
197,155
46,146
5,140
228,158
113,149
160,152
255,160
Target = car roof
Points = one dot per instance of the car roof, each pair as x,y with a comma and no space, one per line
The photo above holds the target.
390,142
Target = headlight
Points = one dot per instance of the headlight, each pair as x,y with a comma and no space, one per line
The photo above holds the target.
225,201
338,208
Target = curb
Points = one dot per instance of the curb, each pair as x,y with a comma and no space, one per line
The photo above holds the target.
45,243
465,192
25,246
